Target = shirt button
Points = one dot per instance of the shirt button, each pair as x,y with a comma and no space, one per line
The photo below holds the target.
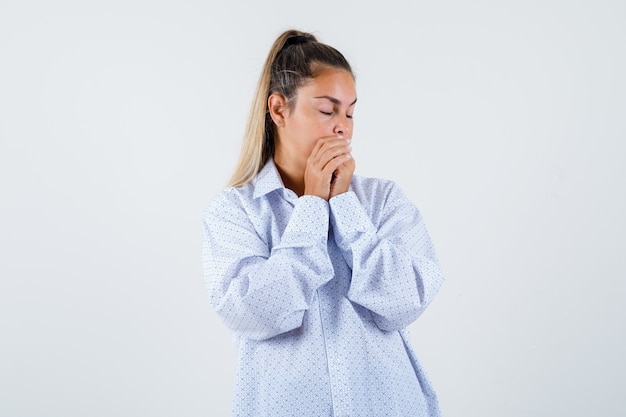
338,362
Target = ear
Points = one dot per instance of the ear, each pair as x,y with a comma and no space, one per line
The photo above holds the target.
277,106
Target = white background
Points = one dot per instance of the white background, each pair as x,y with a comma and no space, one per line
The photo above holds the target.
504,121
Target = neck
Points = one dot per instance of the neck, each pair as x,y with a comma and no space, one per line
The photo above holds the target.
291,172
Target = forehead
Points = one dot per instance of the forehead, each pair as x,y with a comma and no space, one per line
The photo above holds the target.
337,83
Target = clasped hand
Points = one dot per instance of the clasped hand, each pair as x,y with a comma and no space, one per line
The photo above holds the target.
329,168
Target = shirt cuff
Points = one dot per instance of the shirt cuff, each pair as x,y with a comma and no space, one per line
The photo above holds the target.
308,224
349,218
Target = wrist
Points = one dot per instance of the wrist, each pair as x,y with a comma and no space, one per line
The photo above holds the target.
316,193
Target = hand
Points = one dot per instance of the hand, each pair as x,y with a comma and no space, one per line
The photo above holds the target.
342,177
329,168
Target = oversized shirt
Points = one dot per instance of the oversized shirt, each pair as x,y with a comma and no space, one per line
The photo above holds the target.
319,294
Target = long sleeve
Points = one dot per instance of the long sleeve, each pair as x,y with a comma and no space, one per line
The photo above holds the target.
395,273
258,291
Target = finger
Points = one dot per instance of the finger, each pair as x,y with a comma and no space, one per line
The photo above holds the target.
333,153
327,143
344,170
331,149
335,163
346,167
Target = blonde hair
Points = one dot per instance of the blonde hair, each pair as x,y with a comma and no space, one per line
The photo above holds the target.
288,66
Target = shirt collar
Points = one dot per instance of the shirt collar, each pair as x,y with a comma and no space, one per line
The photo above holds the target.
267,180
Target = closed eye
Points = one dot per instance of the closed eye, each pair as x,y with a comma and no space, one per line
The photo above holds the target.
327,113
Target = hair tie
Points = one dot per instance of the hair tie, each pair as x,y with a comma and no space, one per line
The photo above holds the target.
296,40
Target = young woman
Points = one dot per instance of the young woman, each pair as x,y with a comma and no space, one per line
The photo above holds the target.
317,271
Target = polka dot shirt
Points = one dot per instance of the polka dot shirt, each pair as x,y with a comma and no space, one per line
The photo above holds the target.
318,295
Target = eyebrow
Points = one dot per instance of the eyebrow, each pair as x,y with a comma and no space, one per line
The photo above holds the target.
336,101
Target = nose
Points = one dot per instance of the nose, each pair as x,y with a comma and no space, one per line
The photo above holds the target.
342,127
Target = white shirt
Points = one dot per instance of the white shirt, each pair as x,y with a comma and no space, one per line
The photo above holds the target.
319,295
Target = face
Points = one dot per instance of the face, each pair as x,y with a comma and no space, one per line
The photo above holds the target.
323,107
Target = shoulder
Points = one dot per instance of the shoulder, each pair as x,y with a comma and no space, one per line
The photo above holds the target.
368,188
229,201
370,183
380,197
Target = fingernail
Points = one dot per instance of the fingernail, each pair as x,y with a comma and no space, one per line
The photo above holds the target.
349,141
349,147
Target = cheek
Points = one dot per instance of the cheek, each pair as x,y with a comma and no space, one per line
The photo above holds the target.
323,128
313,131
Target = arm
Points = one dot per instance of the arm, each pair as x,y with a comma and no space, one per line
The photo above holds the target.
395,273
260,292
